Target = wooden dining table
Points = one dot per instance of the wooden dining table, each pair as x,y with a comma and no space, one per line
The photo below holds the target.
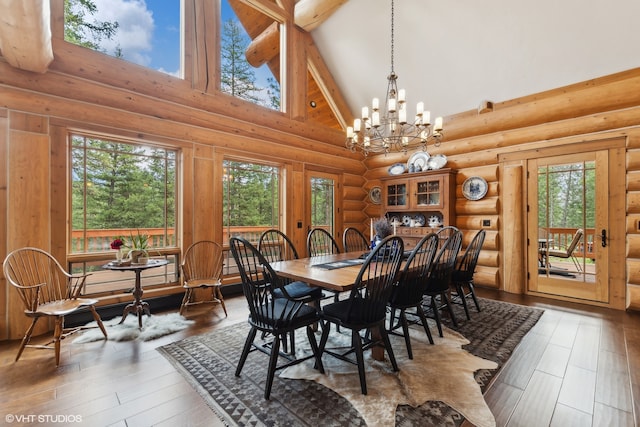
337,272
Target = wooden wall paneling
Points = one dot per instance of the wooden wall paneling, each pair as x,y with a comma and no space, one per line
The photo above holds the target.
204,200
633,246
633,180
487,276
202,52
633,202
537,137
4,167
633,297
294,67
488,206
558,105
488,172
298,235
169,119
489,258
633,156
476,222
617,237
633,224
28,210
60,197
513,232
186,205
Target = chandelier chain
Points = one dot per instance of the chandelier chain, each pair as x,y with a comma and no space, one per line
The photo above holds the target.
390,128
392,34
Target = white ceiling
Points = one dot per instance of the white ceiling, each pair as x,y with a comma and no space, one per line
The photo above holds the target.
452,54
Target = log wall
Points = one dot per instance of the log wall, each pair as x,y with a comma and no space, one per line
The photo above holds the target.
595,110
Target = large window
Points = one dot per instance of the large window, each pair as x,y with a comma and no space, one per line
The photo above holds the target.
146,33
120,190
251,199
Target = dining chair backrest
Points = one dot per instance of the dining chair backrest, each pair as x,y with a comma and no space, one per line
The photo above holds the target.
444,233
353,240
275,246
411,280
466,266
39,278
321,242
439,275
374,283
203,260
258,282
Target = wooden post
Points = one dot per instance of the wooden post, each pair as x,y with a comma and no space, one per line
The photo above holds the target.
513,233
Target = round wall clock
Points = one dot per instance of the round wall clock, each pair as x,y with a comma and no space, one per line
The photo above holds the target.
375,195
474,188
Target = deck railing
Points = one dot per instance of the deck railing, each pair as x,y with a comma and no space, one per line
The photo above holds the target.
560,238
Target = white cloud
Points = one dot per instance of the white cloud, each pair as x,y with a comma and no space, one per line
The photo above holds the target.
135,30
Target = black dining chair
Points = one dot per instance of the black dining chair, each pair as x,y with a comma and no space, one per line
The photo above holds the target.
408,290
275,246
365,309
353,240
278,317
321,242
444,233
439,278
462,275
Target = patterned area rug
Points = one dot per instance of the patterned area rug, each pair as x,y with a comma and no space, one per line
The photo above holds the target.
208,362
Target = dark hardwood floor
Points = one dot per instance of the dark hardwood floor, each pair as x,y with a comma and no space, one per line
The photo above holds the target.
578,366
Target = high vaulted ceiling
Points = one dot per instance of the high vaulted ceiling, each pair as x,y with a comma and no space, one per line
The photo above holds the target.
454,54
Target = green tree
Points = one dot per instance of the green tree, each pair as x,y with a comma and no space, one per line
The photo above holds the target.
80,29
237,77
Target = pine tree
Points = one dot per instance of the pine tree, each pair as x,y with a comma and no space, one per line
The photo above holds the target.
237,76
80,30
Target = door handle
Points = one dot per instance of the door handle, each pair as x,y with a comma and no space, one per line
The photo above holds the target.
604,238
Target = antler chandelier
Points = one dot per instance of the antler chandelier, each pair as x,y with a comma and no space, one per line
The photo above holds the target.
390,130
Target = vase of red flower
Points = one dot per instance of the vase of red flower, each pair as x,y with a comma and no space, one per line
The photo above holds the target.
117,245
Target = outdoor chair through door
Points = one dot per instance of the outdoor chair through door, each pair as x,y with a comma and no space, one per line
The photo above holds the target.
47,290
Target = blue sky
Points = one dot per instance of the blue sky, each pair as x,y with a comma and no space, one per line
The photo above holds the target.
149,30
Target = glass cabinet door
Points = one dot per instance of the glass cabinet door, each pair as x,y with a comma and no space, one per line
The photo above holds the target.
428,192
396,195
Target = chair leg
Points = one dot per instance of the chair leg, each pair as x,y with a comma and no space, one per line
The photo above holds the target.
387,344
473,295
98,320
185,300
357,345
221,298
57,334
405,331
436,314
425,325
27,337
314,347
463,298
449,308
247,347
273,361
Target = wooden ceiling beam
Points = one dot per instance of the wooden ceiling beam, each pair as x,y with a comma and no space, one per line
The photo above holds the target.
308,15
25,34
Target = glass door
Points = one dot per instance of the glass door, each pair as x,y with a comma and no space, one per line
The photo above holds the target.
322,201
567,227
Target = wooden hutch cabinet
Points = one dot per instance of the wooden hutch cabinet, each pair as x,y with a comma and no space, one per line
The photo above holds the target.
420,196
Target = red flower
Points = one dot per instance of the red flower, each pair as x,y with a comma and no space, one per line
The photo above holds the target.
116,244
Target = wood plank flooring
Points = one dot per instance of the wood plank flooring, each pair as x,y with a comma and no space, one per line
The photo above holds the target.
578,366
